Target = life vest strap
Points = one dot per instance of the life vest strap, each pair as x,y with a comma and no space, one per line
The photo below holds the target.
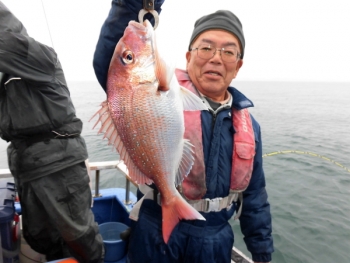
214,205
203,205
148,193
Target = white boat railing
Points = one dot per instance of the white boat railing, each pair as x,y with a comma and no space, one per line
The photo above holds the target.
5,173
97,167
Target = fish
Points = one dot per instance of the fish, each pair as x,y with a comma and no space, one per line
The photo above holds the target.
143,119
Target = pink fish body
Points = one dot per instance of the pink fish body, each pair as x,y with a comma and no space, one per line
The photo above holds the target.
143,119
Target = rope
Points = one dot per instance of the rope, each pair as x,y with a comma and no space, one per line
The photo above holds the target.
308,153
47,24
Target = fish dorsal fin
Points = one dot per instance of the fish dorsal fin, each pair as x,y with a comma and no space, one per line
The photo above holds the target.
110,132
191,102
186,163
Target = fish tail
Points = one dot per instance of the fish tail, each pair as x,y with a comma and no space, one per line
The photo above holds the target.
174,212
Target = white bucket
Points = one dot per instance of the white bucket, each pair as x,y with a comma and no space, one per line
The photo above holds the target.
28,255
9,256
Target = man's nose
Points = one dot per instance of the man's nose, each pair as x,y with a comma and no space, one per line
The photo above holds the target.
217,54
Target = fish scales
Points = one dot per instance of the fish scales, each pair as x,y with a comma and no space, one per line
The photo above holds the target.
150,132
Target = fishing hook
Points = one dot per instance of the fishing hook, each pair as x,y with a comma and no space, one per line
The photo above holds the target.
148,7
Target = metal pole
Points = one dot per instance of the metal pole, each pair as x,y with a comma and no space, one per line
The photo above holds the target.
97,183
127,192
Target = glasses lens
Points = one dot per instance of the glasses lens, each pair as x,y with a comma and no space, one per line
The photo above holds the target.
205,51
228,54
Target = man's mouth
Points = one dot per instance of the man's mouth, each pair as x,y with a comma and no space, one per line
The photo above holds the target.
214,73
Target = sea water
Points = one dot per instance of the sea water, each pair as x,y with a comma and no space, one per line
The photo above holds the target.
306,139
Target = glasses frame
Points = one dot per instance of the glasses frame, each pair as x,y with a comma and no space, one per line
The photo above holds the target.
238,57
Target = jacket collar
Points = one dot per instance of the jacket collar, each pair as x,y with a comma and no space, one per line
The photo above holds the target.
240,101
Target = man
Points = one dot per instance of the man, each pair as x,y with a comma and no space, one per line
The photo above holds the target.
226,162
46,154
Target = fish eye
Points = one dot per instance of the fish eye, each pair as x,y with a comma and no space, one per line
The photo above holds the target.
128,57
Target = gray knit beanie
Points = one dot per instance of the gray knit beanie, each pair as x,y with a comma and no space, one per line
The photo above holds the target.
221,19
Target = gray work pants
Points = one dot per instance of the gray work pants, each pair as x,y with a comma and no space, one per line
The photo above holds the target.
57,217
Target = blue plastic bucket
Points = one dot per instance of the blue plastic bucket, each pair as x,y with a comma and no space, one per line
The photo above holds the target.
115,247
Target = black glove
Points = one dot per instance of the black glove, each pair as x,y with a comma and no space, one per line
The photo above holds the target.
125,234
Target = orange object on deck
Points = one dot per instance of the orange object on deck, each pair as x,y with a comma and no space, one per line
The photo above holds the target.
68,260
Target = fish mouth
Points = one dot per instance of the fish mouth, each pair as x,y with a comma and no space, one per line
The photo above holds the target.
137,24
145,29
147,24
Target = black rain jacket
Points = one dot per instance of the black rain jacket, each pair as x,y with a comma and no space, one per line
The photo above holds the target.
35,105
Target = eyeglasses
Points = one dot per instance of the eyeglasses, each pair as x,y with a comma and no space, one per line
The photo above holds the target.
228,54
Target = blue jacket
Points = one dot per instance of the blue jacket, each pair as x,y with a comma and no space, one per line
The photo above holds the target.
255,220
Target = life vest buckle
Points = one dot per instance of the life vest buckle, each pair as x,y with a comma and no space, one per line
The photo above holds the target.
212,205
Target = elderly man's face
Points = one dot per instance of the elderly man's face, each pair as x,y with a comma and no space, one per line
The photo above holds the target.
212,76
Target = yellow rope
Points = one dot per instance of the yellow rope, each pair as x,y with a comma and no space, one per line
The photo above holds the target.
308,153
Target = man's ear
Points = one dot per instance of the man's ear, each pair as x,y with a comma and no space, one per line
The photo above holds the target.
188,58
238,66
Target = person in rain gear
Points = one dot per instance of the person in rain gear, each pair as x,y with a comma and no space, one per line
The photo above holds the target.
214,57
46,154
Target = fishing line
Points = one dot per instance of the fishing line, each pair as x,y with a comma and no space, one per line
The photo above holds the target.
47,24
308,153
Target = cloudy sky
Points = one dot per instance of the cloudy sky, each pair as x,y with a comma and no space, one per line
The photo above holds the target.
300,40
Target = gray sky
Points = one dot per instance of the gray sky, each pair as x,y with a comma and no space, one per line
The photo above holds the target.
300,40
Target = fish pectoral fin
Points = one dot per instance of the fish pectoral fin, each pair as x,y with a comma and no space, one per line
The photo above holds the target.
174,212
186,163
191,102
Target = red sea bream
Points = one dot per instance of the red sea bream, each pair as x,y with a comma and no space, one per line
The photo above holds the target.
143,119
